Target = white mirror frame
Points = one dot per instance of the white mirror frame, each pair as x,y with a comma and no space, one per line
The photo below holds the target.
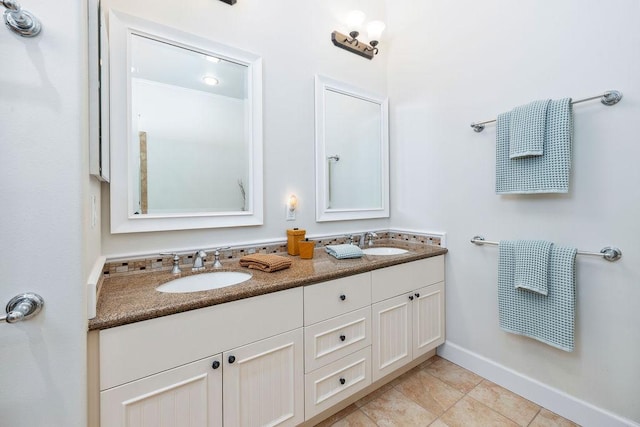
322,85
121,28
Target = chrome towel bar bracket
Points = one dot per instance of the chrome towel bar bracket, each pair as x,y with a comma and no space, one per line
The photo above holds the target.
609,98
610,253
20,21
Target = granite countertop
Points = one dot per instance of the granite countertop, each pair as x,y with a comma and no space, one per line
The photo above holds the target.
133,298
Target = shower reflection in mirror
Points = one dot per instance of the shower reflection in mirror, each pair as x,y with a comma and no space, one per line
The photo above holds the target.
352,152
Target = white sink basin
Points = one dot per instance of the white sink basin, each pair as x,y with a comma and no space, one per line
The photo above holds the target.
204,282
384,251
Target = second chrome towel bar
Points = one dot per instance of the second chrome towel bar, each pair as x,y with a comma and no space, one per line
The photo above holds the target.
610,253
609,98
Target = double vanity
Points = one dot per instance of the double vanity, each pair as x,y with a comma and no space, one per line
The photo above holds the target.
284,348
228,345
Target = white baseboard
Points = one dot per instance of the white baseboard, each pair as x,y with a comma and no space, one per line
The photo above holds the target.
557,401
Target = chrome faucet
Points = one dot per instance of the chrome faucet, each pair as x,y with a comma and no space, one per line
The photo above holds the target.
370,236
216,255
176,262
198,260
349,238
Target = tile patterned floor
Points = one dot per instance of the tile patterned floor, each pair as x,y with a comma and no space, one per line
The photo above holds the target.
438,393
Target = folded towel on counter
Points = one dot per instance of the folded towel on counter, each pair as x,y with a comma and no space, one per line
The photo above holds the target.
549,319
532,265
265,262
527,129
344,251
548,173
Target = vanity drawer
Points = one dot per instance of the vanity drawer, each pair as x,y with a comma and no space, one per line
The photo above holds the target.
335,382
398,279
328,341
333,298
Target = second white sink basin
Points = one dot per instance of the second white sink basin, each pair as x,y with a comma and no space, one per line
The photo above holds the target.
204,282
384,251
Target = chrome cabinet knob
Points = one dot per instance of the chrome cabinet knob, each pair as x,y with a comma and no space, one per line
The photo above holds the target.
23,307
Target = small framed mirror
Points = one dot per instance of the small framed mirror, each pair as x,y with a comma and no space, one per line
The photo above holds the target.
352,152
186,130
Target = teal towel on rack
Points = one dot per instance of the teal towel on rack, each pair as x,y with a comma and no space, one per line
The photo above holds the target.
344,251
548,173
549,319
527,129
532,265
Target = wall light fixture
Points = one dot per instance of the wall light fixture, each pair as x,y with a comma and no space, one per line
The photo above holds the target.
292,205
355,20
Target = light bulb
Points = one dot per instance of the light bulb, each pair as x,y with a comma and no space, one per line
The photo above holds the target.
210,80
292,202
375,29
355,19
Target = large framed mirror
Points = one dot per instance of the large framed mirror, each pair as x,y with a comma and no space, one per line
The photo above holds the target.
352,152
186,130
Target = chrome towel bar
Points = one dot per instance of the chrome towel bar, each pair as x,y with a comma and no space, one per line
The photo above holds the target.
609,98
610,253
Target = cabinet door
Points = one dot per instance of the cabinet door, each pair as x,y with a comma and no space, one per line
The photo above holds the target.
190,395
264,382
391,330
428,318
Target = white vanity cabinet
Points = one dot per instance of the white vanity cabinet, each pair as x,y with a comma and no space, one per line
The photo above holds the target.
187,395
263,382
407,312
337,318
277,359
163,371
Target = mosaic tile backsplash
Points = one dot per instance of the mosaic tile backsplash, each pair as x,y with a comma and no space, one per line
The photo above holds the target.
161,263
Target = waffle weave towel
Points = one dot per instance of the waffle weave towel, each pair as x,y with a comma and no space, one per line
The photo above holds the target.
532,265
344,251
548,173
551,318
527,129
265,262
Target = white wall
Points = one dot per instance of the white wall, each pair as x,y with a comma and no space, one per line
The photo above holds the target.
452,63
47,244
294,40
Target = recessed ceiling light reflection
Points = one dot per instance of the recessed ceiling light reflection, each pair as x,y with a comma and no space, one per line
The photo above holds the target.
212,59
210,80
